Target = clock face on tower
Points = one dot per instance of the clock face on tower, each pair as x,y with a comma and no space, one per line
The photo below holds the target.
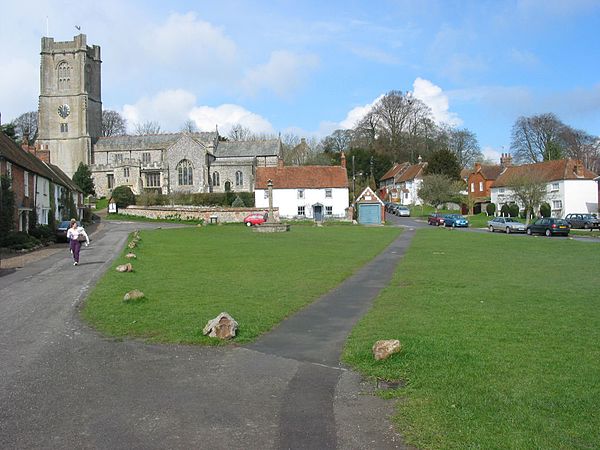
64,110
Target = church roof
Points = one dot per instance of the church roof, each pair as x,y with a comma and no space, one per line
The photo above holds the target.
232,149
149,141
309,177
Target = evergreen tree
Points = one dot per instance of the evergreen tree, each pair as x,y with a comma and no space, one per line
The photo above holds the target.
444,162
7,206
83,178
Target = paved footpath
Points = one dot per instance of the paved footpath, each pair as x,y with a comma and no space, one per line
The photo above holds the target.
62,385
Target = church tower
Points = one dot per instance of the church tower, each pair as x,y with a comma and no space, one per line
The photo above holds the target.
70,103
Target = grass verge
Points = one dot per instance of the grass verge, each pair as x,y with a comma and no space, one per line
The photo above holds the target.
190,275
500,341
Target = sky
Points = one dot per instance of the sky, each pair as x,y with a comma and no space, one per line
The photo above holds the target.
311,67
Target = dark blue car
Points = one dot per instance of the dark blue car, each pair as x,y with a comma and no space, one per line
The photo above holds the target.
455,220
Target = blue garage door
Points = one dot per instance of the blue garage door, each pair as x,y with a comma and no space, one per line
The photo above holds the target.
369,214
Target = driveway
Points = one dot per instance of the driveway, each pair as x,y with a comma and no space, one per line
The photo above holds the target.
62,385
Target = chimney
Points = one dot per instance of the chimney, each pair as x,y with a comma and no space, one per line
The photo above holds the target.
419,159
578,168
280,163
477,167
506,160
343,160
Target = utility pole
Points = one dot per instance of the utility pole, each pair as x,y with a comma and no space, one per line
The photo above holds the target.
353,181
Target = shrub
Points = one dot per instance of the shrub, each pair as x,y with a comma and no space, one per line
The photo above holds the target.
238,202
505,210
150,197
18,240
514,210
545,210
490,209
44,233
123,196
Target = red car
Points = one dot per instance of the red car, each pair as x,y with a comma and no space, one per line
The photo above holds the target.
255,219
435,219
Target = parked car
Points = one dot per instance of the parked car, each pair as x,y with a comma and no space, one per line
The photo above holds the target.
61,230
402,211
391,208
455,220
255,219
435,219
587,221
506,224
549,226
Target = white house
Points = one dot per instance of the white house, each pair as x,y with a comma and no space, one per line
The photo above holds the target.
570,186
316,192
402,182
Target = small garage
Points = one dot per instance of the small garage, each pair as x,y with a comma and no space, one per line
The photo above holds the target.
370,208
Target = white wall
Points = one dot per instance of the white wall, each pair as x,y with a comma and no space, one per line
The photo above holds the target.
42,199
287,201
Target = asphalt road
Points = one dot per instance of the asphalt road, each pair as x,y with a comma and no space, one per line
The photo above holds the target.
62,385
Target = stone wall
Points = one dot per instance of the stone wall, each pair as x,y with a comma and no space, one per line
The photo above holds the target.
218,214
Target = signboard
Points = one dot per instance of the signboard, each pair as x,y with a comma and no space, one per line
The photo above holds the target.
112,208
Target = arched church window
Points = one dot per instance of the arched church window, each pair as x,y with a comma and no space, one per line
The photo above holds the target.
215,179
185,173
64,75
239,178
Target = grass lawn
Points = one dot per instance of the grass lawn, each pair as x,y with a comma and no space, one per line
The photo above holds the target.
190,275
500,341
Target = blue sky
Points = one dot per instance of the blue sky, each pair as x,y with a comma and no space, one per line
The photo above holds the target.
310,67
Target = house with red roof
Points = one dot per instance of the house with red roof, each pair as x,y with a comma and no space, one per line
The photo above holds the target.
401,183
570,187
480,180
299,192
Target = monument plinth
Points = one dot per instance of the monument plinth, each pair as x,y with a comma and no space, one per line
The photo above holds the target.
271,225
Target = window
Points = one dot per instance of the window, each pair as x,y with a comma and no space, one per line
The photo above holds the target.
64,75
26,183
556,204
328,193
300,210
300,194
64,127
126,172
239,178
472,187
146,158
118,158
555,186
9,170
216,179
185,173
481,186
110,181
501,191
153,179
329,210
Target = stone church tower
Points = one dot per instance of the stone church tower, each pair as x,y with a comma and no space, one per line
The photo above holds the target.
70,103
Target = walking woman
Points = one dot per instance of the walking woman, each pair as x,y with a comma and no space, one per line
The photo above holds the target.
76,236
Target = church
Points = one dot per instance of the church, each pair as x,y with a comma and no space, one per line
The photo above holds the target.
70,130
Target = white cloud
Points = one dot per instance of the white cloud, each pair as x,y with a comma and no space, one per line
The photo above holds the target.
492,155
283,73
524,58
169,108
434,97
356,114
185,40
227,115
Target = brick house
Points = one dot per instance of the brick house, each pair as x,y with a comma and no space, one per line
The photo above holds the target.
480,180
38,187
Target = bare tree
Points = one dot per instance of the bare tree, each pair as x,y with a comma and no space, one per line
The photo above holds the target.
463,143
239,132
537,138
113,124
437,189
189,126
26,127
529,191
338,141
148,127
582,146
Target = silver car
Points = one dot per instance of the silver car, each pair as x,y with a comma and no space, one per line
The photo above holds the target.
506,224
402,211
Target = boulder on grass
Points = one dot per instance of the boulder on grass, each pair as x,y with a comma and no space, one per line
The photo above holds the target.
132,244
134,295
130,256
385,348
125,268
223,327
